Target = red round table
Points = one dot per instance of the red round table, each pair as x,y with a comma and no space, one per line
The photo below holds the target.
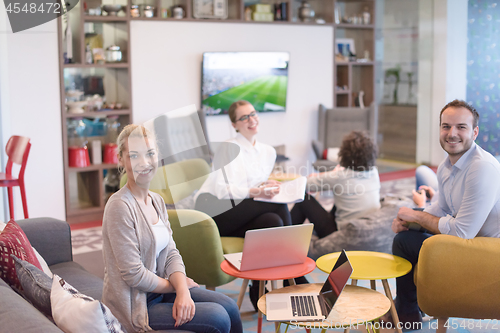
273,274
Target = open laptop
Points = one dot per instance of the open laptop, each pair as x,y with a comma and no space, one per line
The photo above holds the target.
310,306
272,247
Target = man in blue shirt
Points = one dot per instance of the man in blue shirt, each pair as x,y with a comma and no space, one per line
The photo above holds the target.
468,203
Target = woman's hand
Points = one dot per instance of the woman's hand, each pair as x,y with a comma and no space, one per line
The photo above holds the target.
419,198
183,309
430,191
191,284
265,191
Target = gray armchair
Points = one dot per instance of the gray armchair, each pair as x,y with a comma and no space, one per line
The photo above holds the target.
334,124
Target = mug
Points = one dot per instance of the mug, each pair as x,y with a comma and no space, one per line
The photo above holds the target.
178,12
78,157
110,153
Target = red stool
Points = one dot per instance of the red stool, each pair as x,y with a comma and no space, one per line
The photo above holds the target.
273,274
17,149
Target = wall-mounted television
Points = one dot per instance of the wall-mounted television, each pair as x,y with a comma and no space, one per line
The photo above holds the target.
258,77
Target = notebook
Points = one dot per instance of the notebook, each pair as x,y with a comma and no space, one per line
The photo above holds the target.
292,191
272,247
310,306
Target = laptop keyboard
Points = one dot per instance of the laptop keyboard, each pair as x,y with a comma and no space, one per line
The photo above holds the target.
303,306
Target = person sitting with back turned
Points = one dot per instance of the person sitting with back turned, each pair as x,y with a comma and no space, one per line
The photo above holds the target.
468,202
355,184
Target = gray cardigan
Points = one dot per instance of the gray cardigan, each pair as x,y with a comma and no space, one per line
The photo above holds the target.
129,258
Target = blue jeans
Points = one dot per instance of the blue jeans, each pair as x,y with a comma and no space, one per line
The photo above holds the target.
407,245
215,312
425,176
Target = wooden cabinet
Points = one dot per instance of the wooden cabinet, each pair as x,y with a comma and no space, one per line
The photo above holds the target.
398,131
84,187
354,22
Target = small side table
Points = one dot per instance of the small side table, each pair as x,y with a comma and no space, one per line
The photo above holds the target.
355,306
371,266
273,274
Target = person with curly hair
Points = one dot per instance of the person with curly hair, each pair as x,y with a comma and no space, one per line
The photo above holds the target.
355,184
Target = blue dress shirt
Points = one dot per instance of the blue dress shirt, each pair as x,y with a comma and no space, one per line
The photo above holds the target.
469,195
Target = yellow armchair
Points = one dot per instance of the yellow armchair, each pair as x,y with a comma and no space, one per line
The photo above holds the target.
458,277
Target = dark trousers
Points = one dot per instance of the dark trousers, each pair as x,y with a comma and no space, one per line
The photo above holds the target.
244,215
311,209
407,245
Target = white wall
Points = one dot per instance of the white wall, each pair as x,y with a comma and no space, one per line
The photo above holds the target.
29,106
166,75
449,73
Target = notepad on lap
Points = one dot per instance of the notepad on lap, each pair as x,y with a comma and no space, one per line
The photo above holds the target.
290,192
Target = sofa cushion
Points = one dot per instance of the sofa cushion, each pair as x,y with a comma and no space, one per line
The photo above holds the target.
81,279
36,285
45,267
17,315
14,241
75,312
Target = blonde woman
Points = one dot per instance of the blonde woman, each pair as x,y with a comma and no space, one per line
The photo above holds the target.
145,284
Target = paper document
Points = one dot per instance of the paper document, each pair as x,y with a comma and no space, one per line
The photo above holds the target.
290,192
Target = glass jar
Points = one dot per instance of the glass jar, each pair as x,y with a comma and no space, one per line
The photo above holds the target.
77,133
112,129
111,183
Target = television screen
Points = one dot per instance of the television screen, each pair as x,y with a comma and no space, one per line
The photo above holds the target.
258,77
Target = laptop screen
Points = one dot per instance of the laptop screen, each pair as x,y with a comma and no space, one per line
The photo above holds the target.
336,281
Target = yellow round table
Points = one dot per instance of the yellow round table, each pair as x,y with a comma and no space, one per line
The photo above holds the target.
370,266
355,306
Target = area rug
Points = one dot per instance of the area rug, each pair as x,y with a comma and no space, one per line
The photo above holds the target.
87,251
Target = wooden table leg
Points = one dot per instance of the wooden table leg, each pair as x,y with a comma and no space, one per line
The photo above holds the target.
394,313
243,290
373,284
259,315
354,282
292,282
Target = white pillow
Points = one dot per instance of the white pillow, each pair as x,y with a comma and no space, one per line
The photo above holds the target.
74,312
332,154
45,267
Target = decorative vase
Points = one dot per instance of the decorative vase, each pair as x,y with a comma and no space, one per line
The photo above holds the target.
306,13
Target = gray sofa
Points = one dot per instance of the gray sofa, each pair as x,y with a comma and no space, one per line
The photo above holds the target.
52,239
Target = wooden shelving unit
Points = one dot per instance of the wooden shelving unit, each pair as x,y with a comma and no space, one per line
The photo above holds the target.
355,75
84,191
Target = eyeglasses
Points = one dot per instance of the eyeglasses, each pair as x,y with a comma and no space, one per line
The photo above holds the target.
247,117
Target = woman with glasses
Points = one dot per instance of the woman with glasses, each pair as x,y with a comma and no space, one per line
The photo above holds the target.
240,176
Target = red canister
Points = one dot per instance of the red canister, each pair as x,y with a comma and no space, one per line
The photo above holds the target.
78,157
110,153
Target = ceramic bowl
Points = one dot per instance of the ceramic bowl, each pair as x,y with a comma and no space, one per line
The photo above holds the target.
112,10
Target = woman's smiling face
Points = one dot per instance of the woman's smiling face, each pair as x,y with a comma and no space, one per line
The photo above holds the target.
248,127
140,160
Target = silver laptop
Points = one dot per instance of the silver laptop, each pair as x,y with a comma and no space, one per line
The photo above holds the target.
310,306
272,247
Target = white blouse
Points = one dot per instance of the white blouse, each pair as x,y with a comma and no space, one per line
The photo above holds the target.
251,167
161,235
